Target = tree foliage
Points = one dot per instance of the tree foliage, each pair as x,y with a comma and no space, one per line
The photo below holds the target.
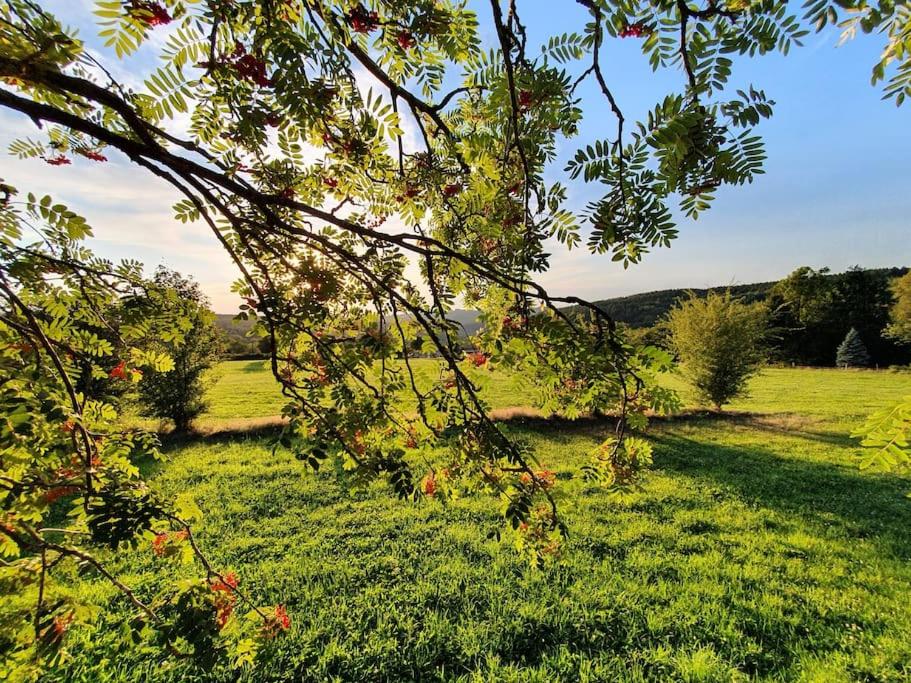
718,341
295,157
887,437
812,310
900,313
63,453
886,434
178,393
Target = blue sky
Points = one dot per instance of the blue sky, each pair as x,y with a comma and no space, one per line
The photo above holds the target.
835,193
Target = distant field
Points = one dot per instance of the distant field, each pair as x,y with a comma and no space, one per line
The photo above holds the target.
755,551
246,389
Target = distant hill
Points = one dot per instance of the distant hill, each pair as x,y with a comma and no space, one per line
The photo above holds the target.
237,343
232,327
467,319
636,310
234,335
644,310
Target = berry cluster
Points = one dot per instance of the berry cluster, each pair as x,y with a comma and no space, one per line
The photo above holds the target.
452,189
121,371
93,155
149,13
526,99
246,66
362,21
477,358
164,543
225,597
406,40
635,30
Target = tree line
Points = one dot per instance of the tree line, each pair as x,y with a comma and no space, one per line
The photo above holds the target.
808,315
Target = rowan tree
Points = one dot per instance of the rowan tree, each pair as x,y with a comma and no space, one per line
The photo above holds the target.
295,158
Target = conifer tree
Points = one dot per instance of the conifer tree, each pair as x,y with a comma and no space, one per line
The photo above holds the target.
852,353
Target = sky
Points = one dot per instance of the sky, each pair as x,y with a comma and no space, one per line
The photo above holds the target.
836,192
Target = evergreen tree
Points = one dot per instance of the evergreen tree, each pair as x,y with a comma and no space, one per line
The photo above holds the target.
852,353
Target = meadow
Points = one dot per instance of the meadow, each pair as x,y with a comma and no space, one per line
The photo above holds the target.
756,550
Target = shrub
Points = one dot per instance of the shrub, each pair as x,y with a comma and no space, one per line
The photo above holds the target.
178,394
719,343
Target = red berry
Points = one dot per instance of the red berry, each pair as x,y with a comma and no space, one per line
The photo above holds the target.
119,371
61,624
150,13
331,182
253,70
430,485
452,189
93,155
526,99
478,358
282,618
636,30
362,21
406,40
228,585
59,160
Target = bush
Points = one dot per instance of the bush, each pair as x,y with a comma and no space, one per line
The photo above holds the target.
719,343
852,353
178,395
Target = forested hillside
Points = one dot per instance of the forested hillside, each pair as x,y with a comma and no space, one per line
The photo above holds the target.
646,309
234,337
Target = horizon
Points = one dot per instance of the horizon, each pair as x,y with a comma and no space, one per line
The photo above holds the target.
684,288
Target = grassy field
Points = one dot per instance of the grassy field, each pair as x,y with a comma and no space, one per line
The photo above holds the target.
756,551
246,390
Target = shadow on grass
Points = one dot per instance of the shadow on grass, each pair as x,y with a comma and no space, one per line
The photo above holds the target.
867,504
782,424
870,506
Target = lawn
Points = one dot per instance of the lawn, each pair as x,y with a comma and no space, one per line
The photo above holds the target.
755,551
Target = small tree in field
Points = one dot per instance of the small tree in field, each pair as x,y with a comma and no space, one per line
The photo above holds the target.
178,394
718,341
852,353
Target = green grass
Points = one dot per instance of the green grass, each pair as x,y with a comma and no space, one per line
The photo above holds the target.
246,389
756,551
